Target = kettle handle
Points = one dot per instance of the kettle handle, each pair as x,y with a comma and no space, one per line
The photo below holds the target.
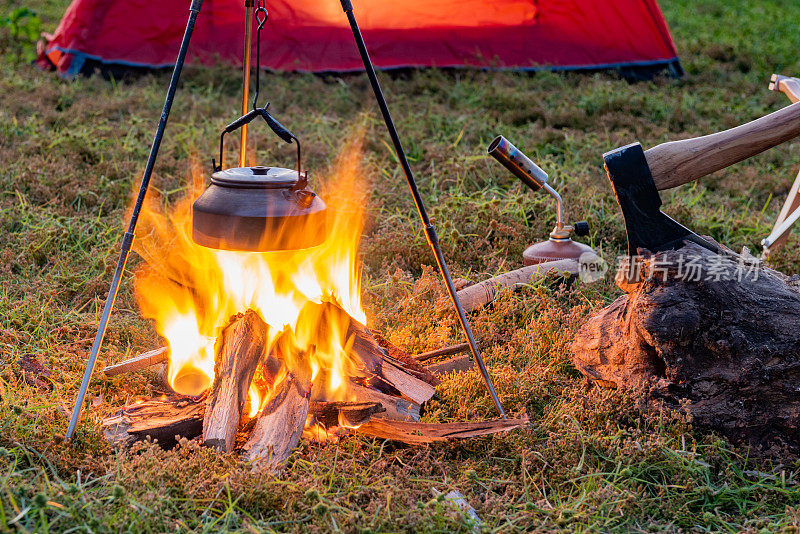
279,130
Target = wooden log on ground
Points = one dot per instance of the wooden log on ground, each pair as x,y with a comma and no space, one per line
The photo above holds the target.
444,351
279,426
396,408
459,364
421,433
477,295
242,346
351,414
142,361
158,419
717,336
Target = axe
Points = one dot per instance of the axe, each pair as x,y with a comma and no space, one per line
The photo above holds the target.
637,175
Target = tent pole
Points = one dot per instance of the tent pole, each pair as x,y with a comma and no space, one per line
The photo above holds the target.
430,232
127,240
248,28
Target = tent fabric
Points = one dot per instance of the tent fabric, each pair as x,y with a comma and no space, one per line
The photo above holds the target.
313,35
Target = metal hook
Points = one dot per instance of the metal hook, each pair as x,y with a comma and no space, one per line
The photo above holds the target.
261,10
261,15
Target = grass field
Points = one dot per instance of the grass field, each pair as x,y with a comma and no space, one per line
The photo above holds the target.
72,154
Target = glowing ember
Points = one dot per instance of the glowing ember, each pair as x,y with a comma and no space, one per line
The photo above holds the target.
191,292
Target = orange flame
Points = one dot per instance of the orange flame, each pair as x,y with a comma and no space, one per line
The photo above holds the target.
191,292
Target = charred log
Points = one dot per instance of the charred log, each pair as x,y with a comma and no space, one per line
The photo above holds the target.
335,413
396,408
162,420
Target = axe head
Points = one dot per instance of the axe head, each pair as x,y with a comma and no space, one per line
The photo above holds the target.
646,225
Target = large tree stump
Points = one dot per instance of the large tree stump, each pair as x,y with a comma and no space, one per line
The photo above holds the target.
715,334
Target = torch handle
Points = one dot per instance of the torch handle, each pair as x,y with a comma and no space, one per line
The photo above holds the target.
678,162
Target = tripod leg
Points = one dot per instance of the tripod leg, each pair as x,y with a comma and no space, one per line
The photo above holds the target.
430,232
127,240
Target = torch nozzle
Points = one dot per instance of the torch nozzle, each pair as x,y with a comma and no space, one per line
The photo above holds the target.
526,170
518,163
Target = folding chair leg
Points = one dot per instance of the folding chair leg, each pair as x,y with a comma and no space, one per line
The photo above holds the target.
777,238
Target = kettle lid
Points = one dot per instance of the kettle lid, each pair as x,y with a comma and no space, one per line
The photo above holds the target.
256,177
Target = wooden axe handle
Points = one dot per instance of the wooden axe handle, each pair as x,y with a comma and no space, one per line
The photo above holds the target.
786,85
678,162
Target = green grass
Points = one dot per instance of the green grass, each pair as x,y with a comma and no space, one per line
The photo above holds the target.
72,153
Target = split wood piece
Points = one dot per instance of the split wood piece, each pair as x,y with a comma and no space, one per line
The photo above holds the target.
142,361
405,361
422,433
243,346
279,426
475,296
717,337
336,413
386,369
396,408
409,386
459,364
157,419
444,351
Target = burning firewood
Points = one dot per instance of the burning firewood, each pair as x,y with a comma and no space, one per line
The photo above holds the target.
393,374
243,346
161,419
415,433
279,426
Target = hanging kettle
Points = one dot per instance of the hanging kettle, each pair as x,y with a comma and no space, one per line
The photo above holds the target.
258,209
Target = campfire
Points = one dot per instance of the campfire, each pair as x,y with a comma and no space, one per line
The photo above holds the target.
267,347
254,284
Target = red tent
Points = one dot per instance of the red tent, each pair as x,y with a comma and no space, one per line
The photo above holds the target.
312,35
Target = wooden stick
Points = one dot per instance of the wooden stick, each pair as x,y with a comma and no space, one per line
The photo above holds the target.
351,414
422,433
142,361
477,295
243,346
279,426
445,351
159,419
459,364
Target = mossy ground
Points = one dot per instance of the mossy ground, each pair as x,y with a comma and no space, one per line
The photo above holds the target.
72,153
